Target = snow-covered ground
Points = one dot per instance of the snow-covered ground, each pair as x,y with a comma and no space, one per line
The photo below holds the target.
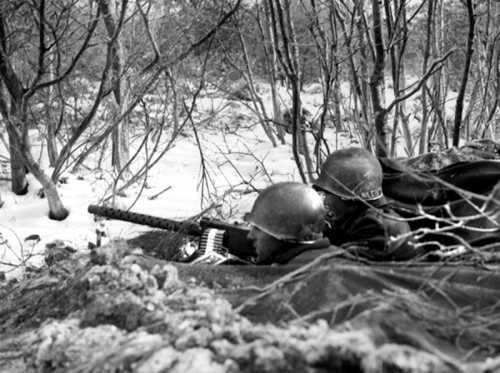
240,161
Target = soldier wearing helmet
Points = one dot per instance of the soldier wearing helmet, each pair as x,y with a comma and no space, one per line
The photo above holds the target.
287,222
358,215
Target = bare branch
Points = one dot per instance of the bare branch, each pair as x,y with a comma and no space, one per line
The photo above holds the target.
151,38
72,64
436,65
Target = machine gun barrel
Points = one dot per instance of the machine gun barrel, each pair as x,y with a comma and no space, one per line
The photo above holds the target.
188,227
234,236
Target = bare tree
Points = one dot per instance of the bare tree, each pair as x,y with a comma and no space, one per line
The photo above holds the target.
72,35
288,56
438,91
426,56
273,69
488,67
377,82
397,34
249,77
349,19
324,30
21,85
113,23
380,109
465,75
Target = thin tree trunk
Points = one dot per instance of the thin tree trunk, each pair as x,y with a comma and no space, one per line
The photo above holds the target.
438,94
256,101
361,104
19,183
487,52
366,103
423,146
402,82
377,83
392,29
471,108
443,90
326,55
120,137
465,75
57,211
296,89
10,89
51,121
17,127
175,98
287,60
273,71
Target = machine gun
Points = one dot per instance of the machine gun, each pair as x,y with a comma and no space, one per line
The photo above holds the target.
219,242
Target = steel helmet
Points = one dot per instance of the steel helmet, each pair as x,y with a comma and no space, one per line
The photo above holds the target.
351,173
289,211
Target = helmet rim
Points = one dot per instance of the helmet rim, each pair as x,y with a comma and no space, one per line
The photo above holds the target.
290,212
351,173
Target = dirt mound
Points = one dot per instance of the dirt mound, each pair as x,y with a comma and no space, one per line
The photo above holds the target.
132,313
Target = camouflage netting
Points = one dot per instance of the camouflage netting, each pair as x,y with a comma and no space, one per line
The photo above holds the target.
121,311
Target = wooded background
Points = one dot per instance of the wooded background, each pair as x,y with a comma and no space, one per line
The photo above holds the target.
96,76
